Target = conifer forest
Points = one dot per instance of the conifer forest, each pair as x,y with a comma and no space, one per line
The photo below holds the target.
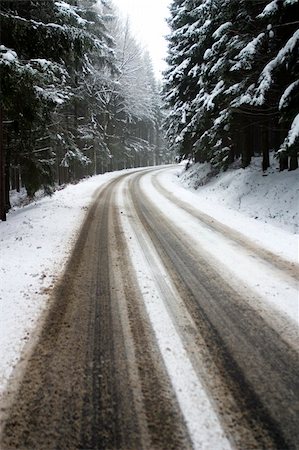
79,95
232,87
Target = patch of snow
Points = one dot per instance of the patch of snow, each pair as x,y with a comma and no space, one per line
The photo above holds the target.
180,69
45,63
247,54
209,100
293,133
271,8
271,34
69,10
18,198
286,95
51,94
207,54
219,32
7,55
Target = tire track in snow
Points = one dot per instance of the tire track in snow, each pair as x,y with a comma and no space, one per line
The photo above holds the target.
262,369
87,383
291,269
202,422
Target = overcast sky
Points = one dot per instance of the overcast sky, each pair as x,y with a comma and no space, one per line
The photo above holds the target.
147,20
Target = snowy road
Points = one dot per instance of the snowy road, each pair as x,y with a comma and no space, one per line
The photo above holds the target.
163,333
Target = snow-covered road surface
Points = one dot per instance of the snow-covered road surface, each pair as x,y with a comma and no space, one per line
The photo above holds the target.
168,330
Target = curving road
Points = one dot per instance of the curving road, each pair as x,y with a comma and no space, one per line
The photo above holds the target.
148,345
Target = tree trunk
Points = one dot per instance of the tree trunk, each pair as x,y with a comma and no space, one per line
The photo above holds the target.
265,147
283,161
294,160
2,172
246,151
7,180
18,176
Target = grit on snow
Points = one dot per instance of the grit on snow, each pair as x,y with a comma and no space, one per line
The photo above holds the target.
36,240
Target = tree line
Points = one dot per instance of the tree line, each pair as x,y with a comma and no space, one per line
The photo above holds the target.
78,95
232,86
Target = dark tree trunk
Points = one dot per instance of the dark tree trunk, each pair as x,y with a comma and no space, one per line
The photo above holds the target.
293,161
7,178
231,155
198,157
246,151
18,175
283,161
265,147
2,172
227,142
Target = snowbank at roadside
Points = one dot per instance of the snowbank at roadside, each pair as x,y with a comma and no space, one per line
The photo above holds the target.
35,243
271,197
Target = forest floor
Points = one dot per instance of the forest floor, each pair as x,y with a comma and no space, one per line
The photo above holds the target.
198,318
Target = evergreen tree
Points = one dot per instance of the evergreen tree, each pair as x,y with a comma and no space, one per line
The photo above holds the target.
27,90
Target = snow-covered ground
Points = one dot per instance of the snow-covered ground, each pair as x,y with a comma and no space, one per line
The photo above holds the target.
263,207
36,240
271,197
35,243
269,289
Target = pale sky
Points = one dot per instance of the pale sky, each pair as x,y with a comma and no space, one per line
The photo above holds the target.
147,22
